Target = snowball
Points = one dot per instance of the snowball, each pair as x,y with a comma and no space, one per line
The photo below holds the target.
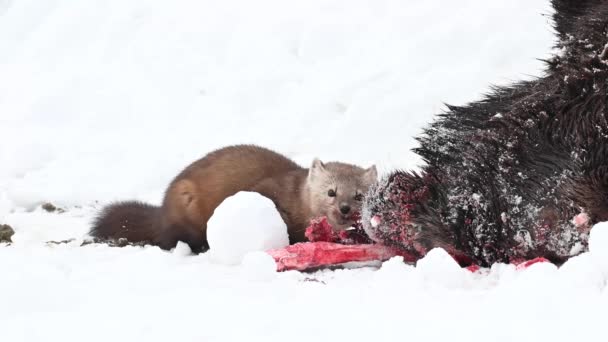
439,267
244,223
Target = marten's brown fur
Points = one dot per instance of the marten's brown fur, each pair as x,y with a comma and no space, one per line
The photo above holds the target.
299,194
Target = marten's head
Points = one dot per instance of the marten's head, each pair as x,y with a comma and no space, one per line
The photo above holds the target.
337,191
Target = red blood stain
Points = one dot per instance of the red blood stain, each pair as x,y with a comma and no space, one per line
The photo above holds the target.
310,255
320,231
473,268
529,263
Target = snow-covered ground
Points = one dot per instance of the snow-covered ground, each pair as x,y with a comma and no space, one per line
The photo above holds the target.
108,99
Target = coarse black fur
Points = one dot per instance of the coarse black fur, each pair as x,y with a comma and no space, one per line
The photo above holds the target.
505,176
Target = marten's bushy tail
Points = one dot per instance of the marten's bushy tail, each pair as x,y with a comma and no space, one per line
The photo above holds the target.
134,221
143,223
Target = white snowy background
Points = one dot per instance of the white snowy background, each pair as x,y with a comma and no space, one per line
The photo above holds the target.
102,100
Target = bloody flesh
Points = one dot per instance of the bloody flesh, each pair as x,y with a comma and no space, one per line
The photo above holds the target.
311,255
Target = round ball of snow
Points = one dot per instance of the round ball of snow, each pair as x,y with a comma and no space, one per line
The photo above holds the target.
598,245
259,266
439,267
243,223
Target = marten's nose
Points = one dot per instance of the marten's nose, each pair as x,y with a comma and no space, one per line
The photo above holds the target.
344,208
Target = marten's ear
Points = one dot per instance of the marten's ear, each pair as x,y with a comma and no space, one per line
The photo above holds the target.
317,168
371,174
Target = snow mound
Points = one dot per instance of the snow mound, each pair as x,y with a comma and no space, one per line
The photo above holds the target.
182,249
396,275
598,245
244,223
439,268
582,272
259,266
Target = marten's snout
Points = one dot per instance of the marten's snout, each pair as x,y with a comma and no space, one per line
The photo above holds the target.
344,208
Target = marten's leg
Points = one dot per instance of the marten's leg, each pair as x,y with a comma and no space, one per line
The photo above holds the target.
191,235
185,216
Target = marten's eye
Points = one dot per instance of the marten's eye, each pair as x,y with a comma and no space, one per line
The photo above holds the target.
331,193
359,197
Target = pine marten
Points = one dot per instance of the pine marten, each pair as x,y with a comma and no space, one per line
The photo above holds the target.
334,190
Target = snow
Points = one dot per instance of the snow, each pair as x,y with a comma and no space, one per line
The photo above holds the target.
104,100
598,240
259,265
439,268
244,223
